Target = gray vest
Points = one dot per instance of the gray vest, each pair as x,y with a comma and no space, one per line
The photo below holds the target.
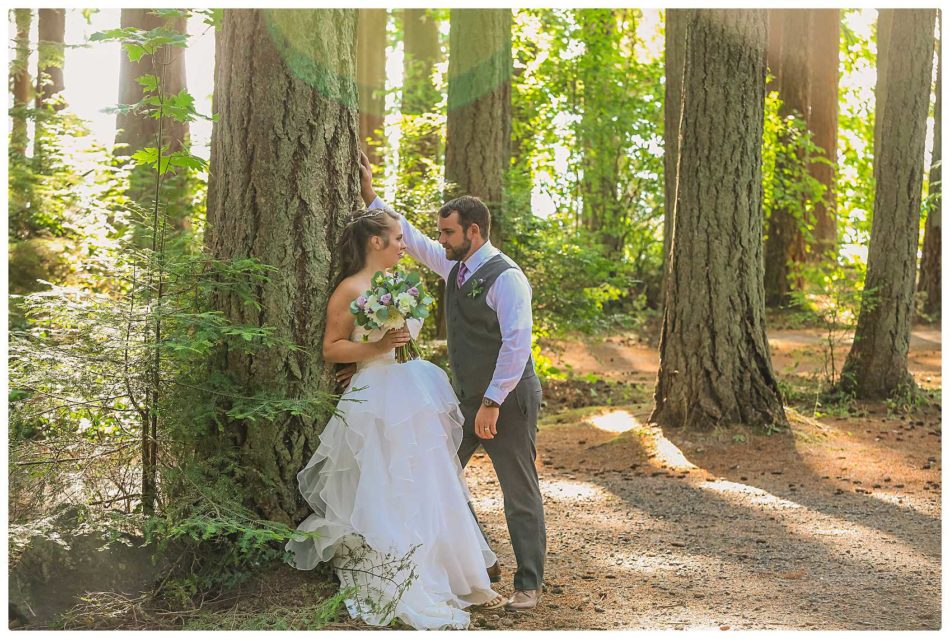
474,335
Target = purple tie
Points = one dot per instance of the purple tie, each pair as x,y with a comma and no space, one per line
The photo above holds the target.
460,279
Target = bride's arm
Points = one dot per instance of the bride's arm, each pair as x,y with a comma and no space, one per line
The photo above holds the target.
337,346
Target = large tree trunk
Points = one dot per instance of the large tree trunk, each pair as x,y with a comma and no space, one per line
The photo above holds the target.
877,364
478,130
823,122
674,51
51,34
785,244
20,72
929,282
135,131
371,78
283,178
715,367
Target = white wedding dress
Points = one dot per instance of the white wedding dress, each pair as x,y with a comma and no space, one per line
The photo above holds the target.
390,501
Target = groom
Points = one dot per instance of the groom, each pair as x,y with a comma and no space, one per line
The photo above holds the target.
488,317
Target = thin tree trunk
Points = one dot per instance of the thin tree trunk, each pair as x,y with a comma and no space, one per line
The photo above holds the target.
135,131
478,130
715,367
823,122
785,244
420,96
672,109
371,78
284,177
876,367
20,70
929,282
602,32
420,147
51,33
775,43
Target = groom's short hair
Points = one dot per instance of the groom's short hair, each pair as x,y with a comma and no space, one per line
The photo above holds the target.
471,210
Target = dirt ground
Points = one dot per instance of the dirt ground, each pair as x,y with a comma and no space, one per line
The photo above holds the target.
835,525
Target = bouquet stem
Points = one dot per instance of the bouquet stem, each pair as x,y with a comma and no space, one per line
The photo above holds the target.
408,352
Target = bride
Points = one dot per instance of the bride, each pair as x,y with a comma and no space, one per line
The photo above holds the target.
389,499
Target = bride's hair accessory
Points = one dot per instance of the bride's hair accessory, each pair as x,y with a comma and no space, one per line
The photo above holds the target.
362,214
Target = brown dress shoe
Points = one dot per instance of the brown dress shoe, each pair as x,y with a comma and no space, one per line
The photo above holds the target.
524,600
494,573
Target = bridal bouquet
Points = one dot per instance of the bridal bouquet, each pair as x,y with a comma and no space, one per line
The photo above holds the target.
389,303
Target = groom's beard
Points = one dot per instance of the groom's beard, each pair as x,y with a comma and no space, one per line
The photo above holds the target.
458,252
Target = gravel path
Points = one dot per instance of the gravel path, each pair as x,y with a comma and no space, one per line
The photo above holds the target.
833,526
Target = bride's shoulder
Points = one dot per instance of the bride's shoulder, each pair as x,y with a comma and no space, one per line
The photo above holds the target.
348,290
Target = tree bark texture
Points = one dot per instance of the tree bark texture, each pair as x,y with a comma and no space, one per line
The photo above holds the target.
20,72
371,79
715,367
283,180
876,366
823,122
675,50
478,129
785,244
135,131
51,33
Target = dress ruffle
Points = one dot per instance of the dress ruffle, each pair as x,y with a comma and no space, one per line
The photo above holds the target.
385,483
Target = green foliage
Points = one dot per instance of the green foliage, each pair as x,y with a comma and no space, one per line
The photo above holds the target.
114,392
43,192
788,151
218,541
832,299
854,188
587,131
574,285
315,615
139,42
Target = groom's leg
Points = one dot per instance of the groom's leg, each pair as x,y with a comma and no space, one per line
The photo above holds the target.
470,443
513,453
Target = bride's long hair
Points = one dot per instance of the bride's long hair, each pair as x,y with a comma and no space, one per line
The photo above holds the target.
363,224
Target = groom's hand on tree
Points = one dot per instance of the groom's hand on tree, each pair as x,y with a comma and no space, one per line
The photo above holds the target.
366,180
485,422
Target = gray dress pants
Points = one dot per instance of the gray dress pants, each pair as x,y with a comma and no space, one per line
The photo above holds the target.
512,453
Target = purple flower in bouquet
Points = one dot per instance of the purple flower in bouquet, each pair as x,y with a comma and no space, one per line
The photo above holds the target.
413,291
361,301
386,299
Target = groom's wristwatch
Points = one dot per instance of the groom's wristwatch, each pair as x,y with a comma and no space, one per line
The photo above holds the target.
490,403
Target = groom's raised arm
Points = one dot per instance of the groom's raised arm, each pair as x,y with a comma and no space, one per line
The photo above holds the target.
422,248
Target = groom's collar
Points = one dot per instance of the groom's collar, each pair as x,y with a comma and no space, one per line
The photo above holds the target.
479,257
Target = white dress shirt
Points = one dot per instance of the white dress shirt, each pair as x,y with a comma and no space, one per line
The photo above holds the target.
509,296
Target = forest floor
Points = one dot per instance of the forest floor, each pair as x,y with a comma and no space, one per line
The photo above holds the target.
832,525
